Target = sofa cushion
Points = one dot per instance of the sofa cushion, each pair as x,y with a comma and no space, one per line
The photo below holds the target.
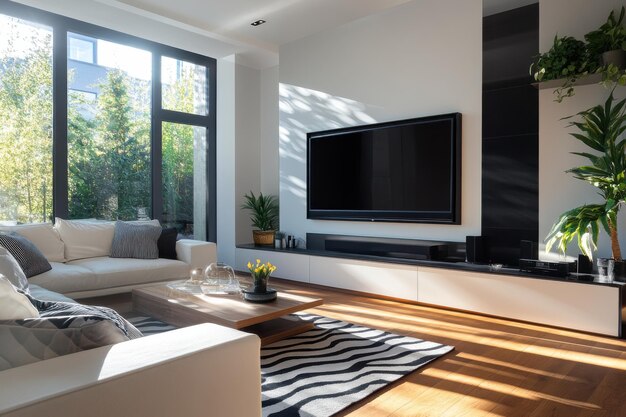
30,258
14,305
167,243
127,271
135,240
61,329
12,270
43,294
85,238
65,278
44,236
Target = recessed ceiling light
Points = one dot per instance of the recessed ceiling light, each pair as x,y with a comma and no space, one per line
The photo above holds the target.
258,22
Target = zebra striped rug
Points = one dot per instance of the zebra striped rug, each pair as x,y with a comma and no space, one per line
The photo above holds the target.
148,325
323,371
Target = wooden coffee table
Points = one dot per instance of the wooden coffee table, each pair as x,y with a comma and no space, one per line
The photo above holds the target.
267,320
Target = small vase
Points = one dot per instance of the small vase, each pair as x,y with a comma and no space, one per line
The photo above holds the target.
259,285
605,268
619,270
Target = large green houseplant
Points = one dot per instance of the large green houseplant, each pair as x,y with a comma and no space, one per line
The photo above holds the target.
600,128
263,216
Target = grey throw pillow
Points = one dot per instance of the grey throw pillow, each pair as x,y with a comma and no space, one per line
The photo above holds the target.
135,240
30,259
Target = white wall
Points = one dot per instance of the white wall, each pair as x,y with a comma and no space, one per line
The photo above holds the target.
269,131
225,166
559,191
247,161
418,59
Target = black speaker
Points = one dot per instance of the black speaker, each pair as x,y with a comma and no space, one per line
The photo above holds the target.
476,249
585,266
529,249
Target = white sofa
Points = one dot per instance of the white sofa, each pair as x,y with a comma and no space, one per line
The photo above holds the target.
194,371
203,370
78,253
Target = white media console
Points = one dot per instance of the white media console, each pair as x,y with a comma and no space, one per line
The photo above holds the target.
585,306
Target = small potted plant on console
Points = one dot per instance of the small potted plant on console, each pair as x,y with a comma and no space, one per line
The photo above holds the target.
601,128
263,215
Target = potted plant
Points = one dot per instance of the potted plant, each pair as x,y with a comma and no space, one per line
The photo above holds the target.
565,60
260,275
607,43
260,292
263,215
601,128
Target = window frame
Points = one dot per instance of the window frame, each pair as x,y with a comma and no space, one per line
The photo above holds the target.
61,26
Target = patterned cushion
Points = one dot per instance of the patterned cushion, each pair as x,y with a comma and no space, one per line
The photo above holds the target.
30,258
62,328
135,240
12,270
167,243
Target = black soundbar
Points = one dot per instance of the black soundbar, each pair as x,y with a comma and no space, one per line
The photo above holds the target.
555,269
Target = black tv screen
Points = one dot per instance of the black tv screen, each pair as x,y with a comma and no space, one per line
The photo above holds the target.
403,171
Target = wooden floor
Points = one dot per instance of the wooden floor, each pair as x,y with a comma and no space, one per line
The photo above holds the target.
498,368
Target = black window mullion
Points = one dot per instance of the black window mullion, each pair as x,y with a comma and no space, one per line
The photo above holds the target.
59,124
184,118
211,173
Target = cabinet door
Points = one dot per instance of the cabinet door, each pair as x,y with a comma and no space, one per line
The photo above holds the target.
392,280
591,308
289,265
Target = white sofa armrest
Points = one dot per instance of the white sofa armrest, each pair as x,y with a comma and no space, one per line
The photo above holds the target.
196,253
194,371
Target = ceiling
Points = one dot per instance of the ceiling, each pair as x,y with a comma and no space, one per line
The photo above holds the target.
287,20
228,21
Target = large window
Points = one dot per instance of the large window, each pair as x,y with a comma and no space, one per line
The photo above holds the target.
25,121
98,124
108,138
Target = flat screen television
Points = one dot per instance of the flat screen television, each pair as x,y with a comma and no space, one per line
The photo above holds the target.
401,171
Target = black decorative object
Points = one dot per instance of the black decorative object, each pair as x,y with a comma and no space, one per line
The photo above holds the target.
476,249
249,294
529,249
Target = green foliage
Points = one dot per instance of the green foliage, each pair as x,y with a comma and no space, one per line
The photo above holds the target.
109,173
601,128
178,155
566,59
109,157
26,129
608,37
570,59
264,211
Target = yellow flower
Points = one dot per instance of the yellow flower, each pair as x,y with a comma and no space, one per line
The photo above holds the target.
258,261
249,265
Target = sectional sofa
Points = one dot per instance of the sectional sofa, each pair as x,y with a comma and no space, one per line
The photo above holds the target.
195,371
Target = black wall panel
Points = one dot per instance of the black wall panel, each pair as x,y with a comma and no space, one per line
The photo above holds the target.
510,154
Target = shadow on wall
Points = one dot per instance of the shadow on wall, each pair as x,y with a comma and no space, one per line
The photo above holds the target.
302,111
